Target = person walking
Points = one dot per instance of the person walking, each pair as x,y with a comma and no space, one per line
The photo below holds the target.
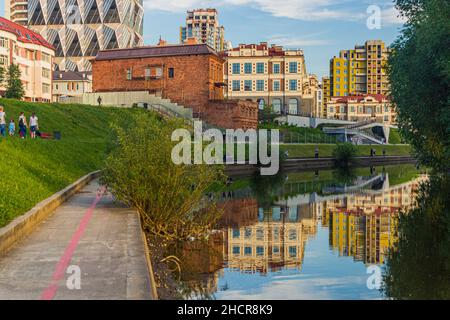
22,125
12,128
33,125
2,122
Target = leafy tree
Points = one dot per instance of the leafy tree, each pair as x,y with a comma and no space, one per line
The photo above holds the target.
418,266
169,197
2,75
267,114
419,73
14,86
345,153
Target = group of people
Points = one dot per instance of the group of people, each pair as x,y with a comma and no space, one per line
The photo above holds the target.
23,125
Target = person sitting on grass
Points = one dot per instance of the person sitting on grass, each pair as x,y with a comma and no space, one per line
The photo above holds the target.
33,125
12,128
2,122
22,125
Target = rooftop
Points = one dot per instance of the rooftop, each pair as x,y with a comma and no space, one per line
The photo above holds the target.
273,50
359,98
156,51
23,34
70,75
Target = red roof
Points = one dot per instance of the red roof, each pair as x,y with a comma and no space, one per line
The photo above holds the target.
23,34
359,98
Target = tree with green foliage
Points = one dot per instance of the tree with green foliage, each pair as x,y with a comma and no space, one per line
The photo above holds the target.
2,75
14,86
418,266
344,154
419,75
170,198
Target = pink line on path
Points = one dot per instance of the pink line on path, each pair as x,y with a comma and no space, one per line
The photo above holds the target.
50,292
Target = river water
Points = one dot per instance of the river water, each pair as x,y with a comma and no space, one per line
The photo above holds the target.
305,235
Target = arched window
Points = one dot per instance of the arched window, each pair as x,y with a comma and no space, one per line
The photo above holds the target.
261,103
293,106
276,105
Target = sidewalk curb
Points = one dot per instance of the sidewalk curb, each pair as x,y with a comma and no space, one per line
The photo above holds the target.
22,226
154,291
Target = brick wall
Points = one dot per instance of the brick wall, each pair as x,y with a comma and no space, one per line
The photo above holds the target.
232,114
192,85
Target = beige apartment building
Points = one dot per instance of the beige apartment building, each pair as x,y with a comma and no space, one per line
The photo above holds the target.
375,107
326,90
271,76
17,11
68,84
276,241
33,55
203,26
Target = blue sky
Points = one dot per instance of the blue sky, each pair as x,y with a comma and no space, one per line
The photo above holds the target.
320,27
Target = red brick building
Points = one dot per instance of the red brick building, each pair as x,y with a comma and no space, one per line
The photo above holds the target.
189,74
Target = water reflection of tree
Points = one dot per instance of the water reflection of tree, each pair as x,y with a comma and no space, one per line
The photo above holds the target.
418,267
344,176
267,189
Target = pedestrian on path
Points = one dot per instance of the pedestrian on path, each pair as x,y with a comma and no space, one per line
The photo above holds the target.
2,122
34,126
22,125
12,128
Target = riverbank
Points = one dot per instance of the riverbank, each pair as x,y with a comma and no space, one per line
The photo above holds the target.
302,164
326,150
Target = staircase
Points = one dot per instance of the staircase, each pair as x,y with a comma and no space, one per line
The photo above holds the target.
142,99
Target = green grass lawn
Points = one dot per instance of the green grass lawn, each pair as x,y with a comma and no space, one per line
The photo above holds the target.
294,134
32,170
326,150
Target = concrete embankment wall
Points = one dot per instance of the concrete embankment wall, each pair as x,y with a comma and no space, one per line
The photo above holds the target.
305,164
22,226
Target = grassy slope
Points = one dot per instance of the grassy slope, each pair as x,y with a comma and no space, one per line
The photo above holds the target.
32,170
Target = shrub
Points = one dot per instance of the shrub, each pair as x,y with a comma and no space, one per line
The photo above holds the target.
169,197
344,153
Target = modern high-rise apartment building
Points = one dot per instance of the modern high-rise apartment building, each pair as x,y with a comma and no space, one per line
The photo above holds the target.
269,75
78,29
203,25
16,11
360,70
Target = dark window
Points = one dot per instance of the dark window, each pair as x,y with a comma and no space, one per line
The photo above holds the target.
171,73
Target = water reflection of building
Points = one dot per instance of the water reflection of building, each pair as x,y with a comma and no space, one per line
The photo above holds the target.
363,225
277,240
201,265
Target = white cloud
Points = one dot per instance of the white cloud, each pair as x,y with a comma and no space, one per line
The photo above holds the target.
308,10
293,41
391,16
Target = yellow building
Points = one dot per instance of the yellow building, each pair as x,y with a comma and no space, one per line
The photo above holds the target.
272,76
326,90
360,70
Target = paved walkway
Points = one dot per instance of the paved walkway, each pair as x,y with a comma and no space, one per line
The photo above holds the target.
89,233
